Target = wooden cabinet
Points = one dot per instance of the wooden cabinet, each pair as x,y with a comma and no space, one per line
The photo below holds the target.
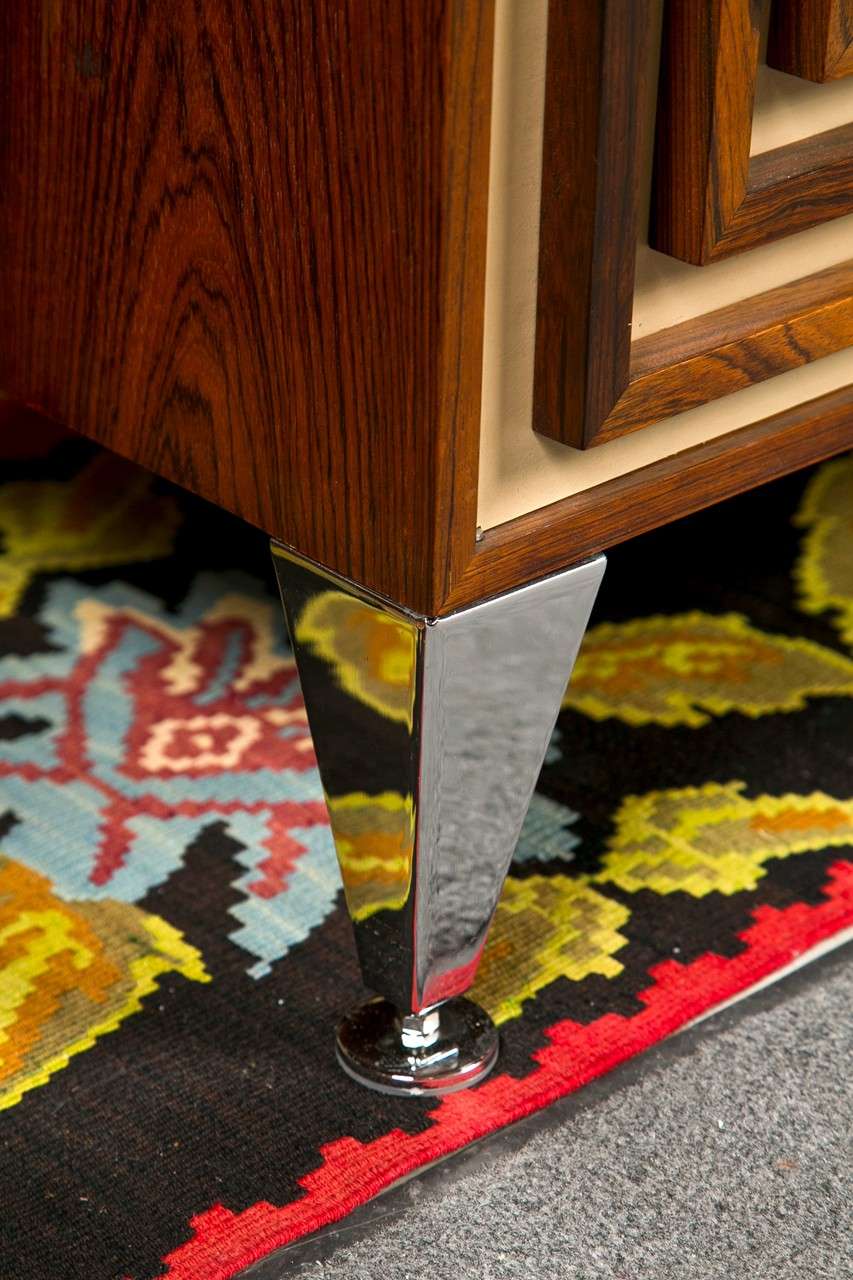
242,244
248,246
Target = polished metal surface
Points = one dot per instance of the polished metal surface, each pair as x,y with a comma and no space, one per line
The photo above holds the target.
429,735
376,1047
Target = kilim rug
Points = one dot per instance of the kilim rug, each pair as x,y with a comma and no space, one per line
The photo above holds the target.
173,948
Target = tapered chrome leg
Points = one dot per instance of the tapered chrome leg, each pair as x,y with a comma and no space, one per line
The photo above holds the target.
429,734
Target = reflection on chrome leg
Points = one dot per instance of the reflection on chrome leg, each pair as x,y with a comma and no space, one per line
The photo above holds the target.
429,734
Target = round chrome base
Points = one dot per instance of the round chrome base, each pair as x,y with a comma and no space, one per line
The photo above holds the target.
449,1047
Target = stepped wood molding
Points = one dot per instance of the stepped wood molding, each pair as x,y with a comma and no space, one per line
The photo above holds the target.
592,384
710,197
812,38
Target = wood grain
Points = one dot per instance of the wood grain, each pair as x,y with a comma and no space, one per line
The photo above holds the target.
709,199
706,95
243,244
596,59
579,527
812,39
791,189
734,347
592,384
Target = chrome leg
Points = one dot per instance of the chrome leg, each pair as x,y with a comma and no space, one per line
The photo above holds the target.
429,733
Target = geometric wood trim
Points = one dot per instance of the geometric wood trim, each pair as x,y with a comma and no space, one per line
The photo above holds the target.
591,383
734,347
581,526
573,529
812,39
596,59
451,425
710,198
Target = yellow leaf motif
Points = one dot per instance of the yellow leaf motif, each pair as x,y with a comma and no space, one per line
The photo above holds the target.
106,515
676,670
824,572
546,927
70,972
712,838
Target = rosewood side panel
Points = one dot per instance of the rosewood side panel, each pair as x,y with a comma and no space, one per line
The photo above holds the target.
243,244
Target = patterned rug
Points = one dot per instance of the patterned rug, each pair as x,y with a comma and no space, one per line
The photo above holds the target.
173,949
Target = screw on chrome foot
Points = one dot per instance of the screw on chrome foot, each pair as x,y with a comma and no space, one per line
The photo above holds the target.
439,1050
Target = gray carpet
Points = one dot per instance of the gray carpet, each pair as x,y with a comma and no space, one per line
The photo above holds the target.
725,1154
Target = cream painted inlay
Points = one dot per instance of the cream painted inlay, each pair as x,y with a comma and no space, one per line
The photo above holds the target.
523,471
788,109
519,470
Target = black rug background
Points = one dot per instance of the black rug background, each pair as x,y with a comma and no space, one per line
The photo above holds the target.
224,1093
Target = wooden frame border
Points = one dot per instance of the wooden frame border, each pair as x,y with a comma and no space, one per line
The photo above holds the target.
596,60
591,383
275,299
710,199
812,39
565,532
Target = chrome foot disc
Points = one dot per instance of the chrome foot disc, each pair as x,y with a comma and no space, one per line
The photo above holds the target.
446,1048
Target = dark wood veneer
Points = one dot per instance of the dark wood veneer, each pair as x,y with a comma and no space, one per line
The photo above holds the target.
812,38
576,528
244,243
734,347
592,384
709,198
596,58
